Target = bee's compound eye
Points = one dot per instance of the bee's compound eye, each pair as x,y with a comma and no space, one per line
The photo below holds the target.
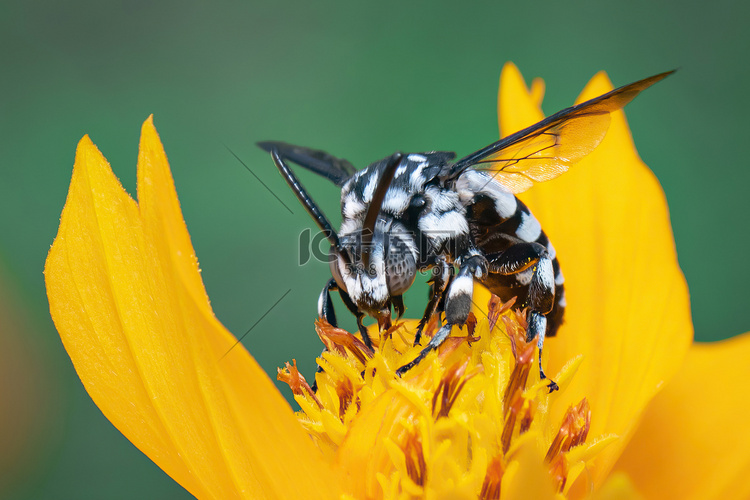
334,260
400,267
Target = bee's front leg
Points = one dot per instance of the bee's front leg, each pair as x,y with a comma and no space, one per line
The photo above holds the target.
457,303
328,313
325,304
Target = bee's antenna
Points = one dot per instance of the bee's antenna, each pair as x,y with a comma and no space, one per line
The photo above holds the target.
368,227
309,204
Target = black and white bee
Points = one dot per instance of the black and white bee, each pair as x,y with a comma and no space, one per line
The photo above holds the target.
460,219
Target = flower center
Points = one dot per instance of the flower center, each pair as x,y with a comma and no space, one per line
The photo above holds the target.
472,417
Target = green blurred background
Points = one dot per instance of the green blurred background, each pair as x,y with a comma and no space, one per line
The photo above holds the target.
360,80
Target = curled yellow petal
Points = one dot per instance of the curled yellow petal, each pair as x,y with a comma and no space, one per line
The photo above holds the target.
693,440
628,310
129,304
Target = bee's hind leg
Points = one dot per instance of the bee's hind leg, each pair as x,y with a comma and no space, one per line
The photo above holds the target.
531,258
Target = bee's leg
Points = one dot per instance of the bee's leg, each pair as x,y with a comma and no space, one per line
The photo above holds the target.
325,311
398,305
325,304
438,282
359,315
532,259
457,304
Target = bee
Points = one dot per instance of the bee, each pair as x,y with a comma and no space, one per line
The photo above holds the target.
460,220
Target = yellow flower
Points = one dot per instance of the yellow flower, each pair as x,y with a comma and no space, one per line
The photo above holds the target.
634,413
126,295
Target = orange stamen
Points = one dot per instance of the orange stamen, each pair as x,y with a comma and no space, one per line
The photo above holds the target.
345,392
450,386
511,415
340,341
416,467
524,354
573,431
496,308
493,480
296,381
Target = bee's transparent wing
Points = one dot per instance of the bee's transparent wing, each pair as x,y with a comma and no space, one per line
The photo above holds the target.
548,148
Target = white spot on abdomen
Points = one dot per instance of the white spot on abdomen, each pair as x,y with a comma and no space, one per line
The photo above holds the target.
559,280
529,229
472,183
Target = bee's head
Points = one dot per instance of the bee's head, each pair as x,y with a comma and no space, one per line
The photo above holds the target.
375,266
373,269
376,259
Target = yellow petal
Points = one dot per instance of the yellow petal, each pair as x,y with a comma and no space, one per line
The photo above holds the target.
628,310
129,304
618,487
694,439
527,475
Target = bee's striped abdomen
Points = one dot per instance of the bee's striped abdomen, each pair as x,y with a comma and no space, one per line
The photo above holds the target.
494,229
